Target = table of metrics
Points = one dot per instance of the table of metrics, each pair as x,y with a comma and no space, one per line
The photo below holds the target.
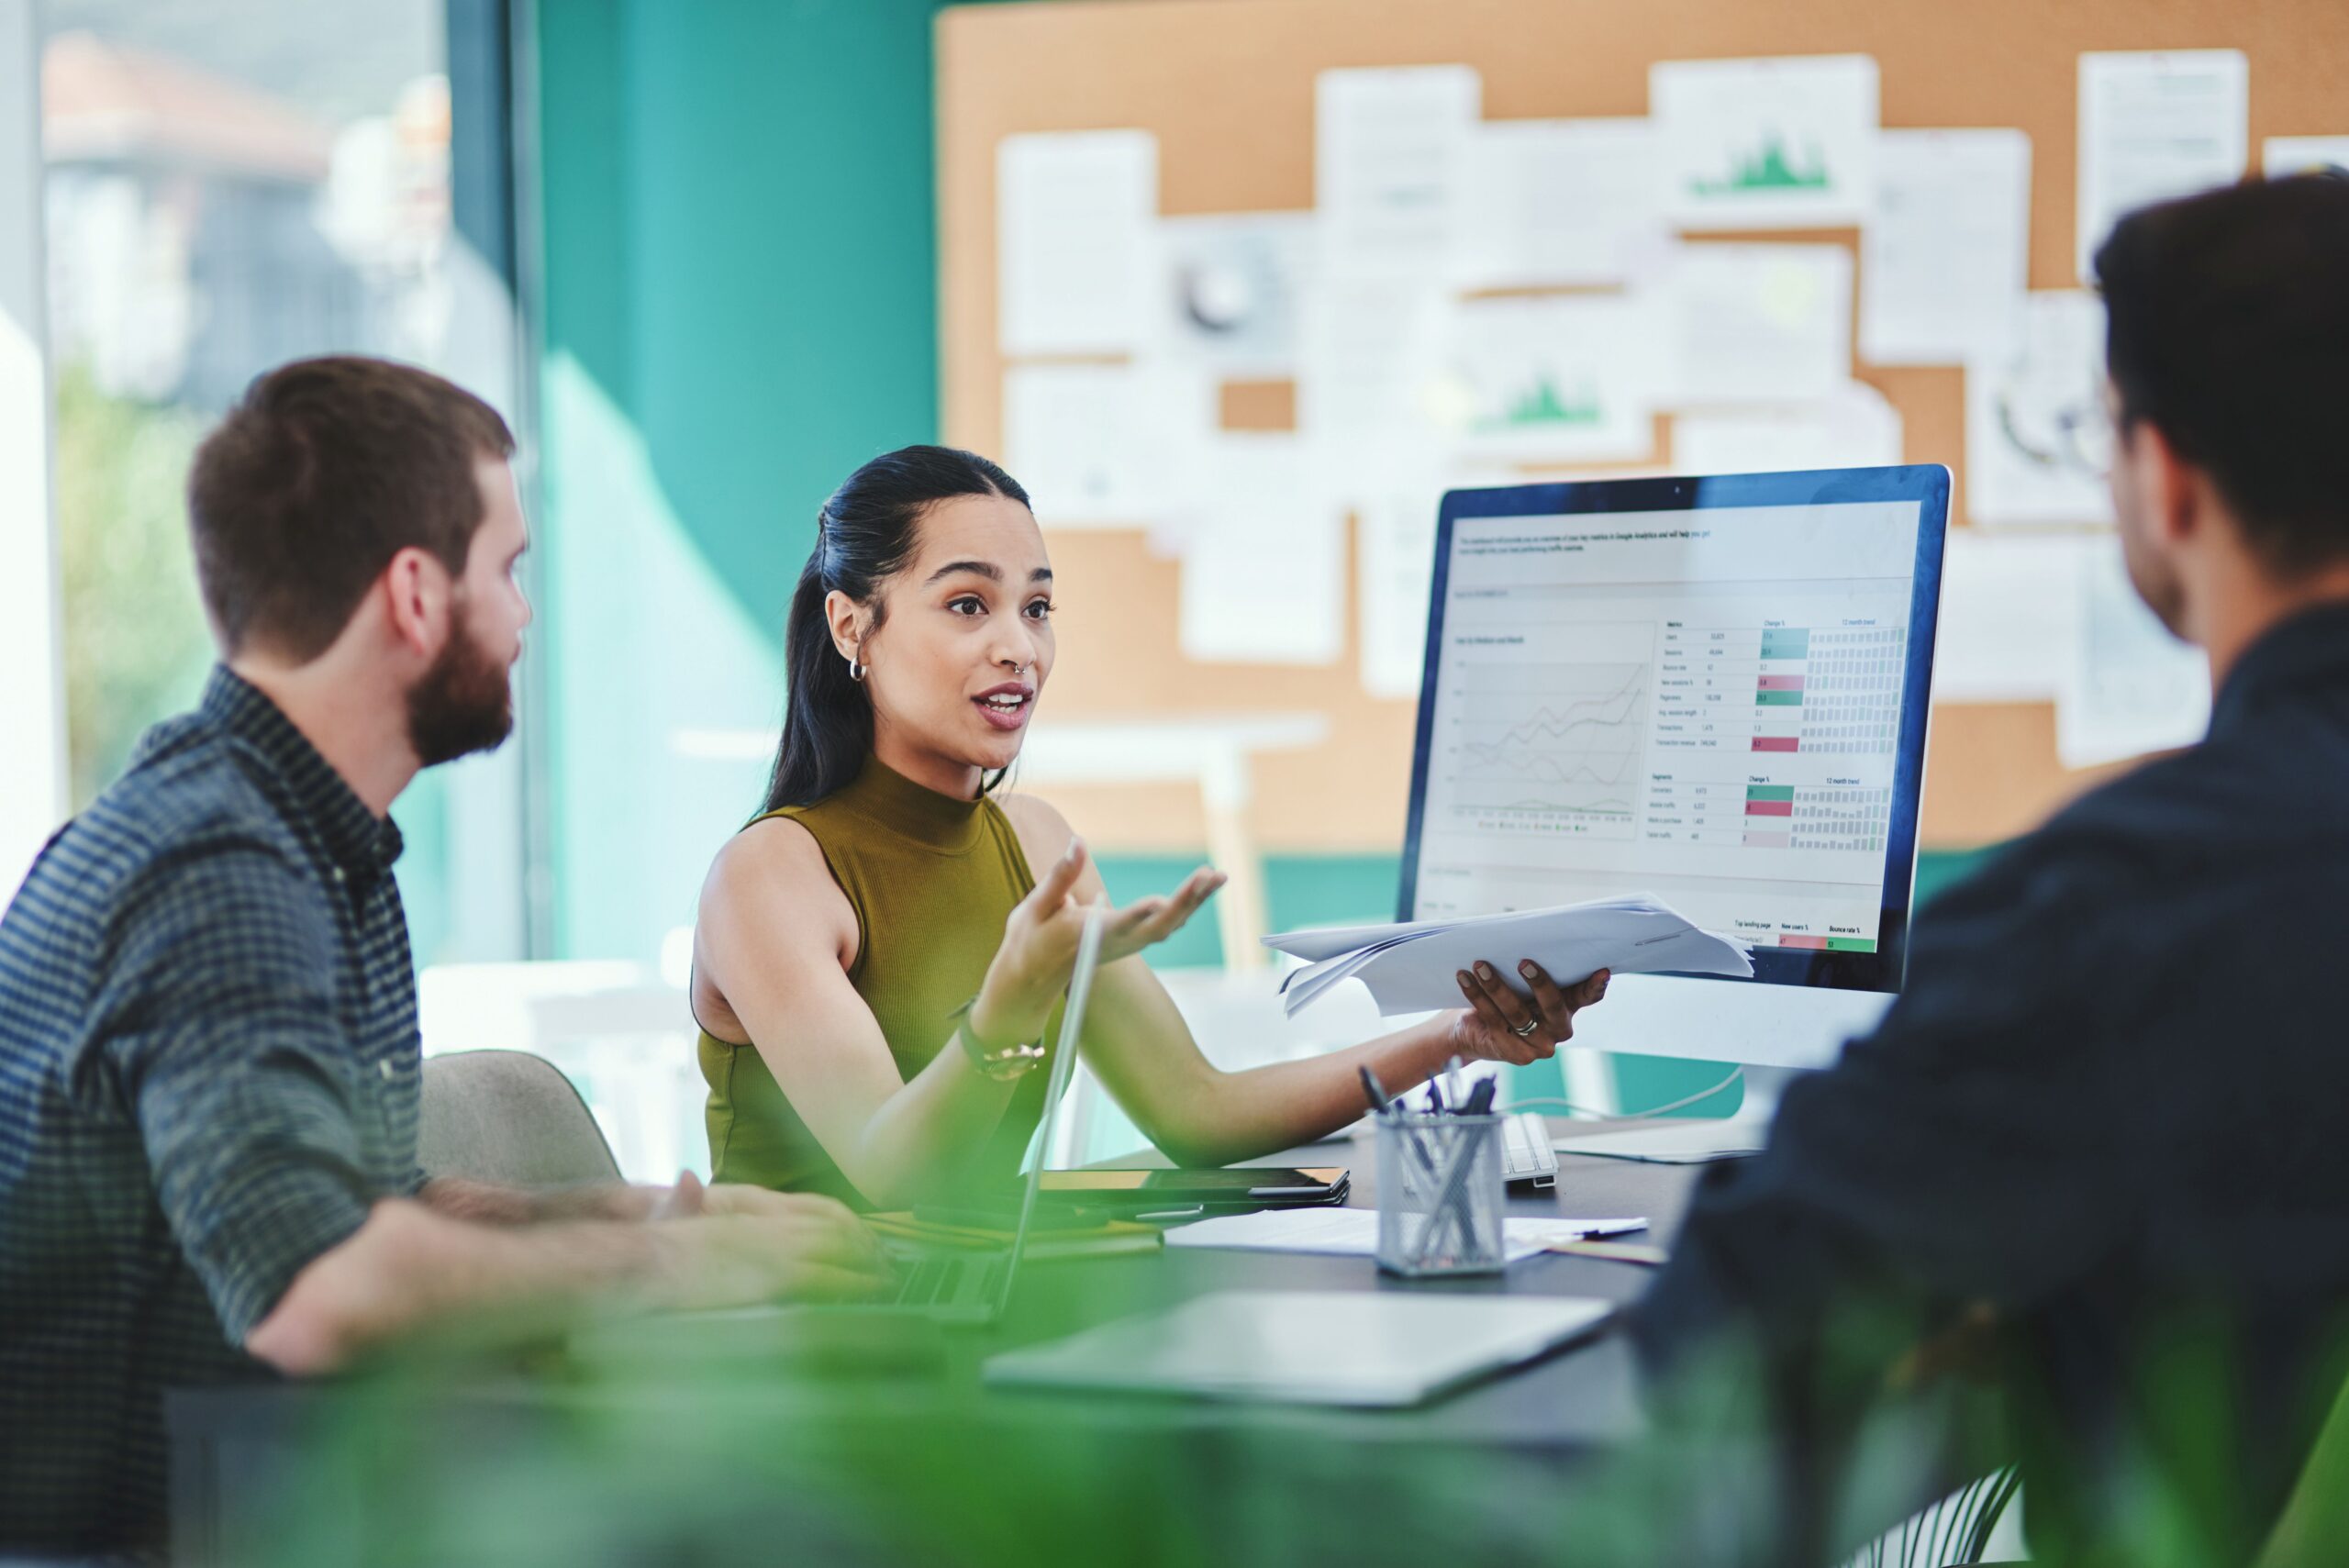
1773,693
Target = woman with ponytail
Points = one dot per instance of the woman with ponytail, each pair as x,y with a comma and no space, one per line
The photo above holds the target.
881,951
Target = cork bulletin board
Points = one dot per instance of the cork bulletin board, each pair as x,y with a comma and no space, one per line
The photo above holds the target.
1227,86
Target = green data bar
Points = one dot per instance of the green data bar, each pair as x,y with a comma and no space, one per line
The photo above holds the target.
1850,944
1786,644
1778,699
1769,792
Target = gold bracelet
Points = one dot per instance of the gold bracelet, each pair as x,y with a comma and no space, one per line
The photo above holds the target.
1004,1066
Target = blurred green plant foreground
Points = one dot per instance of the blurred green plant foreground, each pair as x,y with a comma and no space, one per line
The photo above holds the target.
883,1450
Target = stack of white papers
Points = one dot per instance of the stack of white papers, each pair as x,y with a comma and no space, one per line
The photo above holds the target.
1353,1232
1413,968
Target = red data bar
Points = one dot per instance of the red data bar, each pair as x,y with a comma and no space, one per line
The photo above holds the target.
1774,742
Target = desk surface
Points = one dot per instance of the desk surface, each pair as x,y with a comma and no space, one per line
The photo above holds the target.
1579,1396
1582,1394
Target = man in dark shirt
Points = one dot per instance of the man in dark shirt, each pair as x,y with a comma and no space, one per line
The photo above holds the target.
208,1052
2102,1123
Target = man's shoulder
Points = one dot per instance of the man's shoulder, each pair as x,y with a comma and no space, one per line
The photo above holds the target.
188,795
2215,817
2222,805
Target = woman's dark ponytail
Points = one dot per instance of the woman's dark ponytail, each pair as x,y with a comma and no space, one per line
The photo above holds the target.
864,532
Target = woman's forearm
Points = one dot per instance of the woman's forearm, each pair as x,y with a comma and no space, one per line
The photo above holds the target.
1259,1111
922,1139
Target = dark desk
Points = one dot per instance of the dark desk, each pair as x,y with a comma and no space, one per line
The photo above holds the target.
335,1452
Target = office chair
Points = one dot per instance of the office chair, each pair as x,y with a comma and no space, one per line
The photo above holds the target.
510,1118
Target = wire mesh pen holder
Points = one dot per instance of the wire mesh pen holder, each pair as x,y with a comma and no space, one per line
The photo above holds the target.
1440,1195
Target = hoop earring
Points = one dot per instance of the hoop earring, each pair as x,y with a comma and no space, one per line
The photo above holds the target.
855,671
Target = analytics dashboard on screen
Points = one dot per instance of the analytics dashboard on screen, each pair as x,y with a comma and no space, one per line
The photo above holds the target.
1703,702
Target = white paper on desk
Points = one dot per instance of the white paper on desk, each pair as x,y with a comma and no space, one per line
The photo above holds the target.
2009,614
1943,258
1856,427
2153,125
2130,687
1554,202
1555,378
1390,158
1353,1232
2283,155
1233,291
1776,143
2026,409
1264,558
1088,441
1076,213
1758,323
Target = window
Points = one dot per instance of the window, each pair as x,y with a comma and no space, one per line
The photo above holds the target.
232,183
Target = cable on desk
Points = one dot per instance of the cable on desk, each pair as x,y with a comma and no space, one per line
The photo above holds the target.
1736,1074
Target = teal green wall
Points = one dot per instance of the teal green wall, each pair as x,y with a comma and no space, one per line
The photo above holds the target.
739,310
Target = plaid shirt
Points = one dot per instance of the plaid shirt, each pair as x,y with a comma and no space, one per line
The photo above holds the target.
208,1070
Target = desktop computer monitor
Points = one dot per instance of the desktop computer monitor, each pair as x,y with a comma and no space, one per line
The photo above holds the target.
1713,690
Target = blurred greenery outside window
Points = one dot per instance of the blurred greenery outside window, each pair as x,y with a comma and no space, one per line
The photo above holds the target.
230,185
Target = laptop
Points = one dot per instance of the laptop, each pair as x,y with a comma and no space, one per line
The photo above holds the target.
961,1284
935,1283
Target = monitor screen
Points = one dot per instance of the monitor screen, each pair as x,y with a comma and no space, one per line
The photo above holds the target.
1710,690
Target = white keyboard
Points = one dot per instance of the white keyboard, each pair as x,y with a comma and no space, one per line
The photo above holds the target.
1527,1154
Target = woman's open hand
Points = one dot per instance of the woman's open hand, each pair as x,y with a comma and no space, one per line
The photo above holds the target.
1032,966
1501,1026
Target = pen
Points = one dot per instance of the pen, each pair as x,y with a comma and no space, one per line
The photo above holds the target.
1373,1091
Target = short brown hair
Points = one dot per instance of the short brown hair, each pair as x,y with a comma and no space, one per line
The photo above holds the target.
2229,332
326,470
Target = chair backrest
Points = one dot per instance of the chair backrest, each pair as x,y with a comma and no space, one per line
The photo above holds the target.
510,1118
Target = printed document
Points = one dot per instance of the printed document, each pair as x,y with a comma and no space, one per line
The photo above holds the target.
1413,968
1076,217
2153,125
1942,265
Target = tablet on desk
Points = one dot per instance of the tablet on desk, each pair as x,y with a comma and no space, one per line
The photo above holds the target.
1353,1348
1245,1187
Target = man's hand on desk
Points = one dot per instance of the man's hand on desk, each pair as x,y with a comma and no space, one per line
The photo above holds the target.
748,1245
1501,1026
408,1267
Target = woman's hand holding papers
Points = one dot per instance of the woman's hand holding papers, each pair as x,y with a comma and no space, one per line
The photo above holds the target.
1501,1026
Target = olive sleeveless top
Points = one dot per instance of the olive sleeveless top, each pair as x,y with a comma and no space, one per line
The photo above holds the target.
931,879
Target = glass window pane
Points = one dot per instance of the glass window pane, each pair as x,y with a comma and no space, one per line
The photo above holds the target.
231,184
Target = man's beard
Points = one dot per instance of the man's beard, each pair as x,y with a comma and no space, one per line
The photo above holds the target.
464,704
